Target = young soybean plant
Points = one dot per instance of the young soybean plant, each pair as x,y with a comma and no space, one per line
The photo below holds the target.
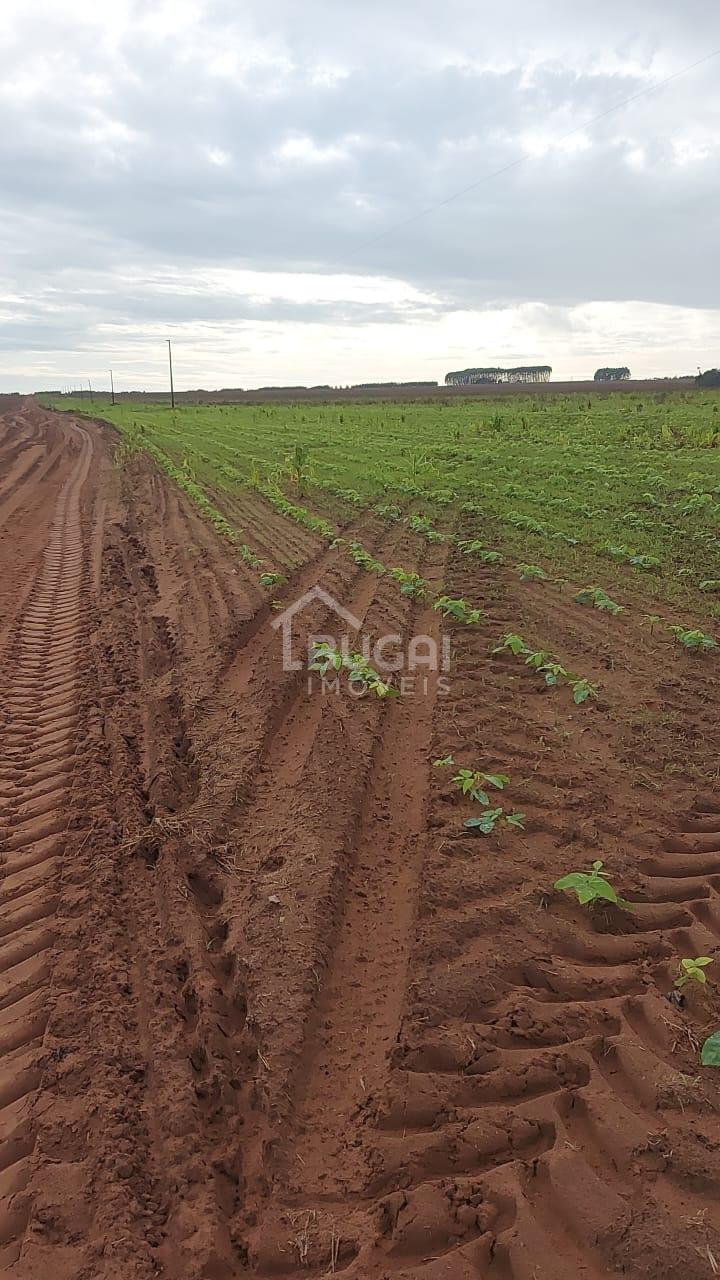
591,886
459,610
476,547
268,579
472,783
599,598
582,690
490,818
326,657
614,550
514,643
697,641
692,971
411,584
645,562
531,573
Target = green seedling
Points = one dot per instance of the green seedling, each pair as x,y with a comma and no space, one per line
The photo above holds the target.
490,818
388,511
411,584
475,547
614,550
364,559
697,641
444,762
472,783
529,523
421,525
360,673
645,562
245,553
553,673
591,886
459,610
582,690
326,657
272,579
516,819
536,658
514,643
692,971
599,598
531,573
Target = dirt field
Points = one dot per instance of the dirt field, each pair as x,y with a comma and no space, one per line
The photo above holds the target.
267,1009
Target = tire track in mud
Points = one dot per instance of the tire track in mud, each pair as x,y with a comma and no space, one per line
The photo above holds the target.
200,1065
162,948
357,1018
37,743
365,849
224,1051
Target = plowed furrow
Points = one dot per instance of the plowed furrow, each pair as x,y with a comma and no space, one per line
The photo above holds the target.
37,727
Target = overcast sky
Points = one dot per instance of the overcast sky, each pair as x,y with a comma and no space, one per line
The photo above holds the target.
273,184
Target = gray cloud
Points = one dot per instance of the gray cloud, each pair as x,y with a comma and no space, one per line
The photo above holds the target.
176,137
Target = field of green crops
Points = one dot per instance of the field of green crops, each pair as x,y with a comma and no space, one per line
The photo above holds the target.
615,490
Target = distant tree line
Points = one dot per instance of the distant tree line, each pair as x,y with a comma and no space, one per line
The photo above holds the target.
355,386
523,373
710,378
372,386
621,374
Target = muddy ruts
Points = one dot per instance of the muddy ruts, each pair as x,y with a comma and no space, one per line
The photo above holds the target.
38,718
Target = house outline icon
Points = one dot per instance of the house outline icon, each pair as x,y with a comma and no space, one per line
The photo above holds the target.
285,619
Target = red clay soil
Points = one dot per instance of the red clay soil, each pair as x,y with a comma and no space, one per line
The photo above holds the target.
267,1008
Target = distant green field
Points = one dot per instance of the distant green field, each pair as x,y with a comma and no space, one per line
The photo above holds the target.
613,489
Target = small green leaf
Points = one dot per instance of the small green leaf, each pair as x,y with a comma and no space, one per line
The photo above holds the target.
516,820
710,1052
498,780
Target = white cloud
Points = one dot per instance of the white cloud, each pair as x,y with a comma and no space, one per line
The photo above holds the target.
278,181
305,150
218,157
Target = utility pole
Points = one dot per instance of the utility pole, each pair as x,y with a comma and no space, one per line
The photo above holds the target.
112,387
172,388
